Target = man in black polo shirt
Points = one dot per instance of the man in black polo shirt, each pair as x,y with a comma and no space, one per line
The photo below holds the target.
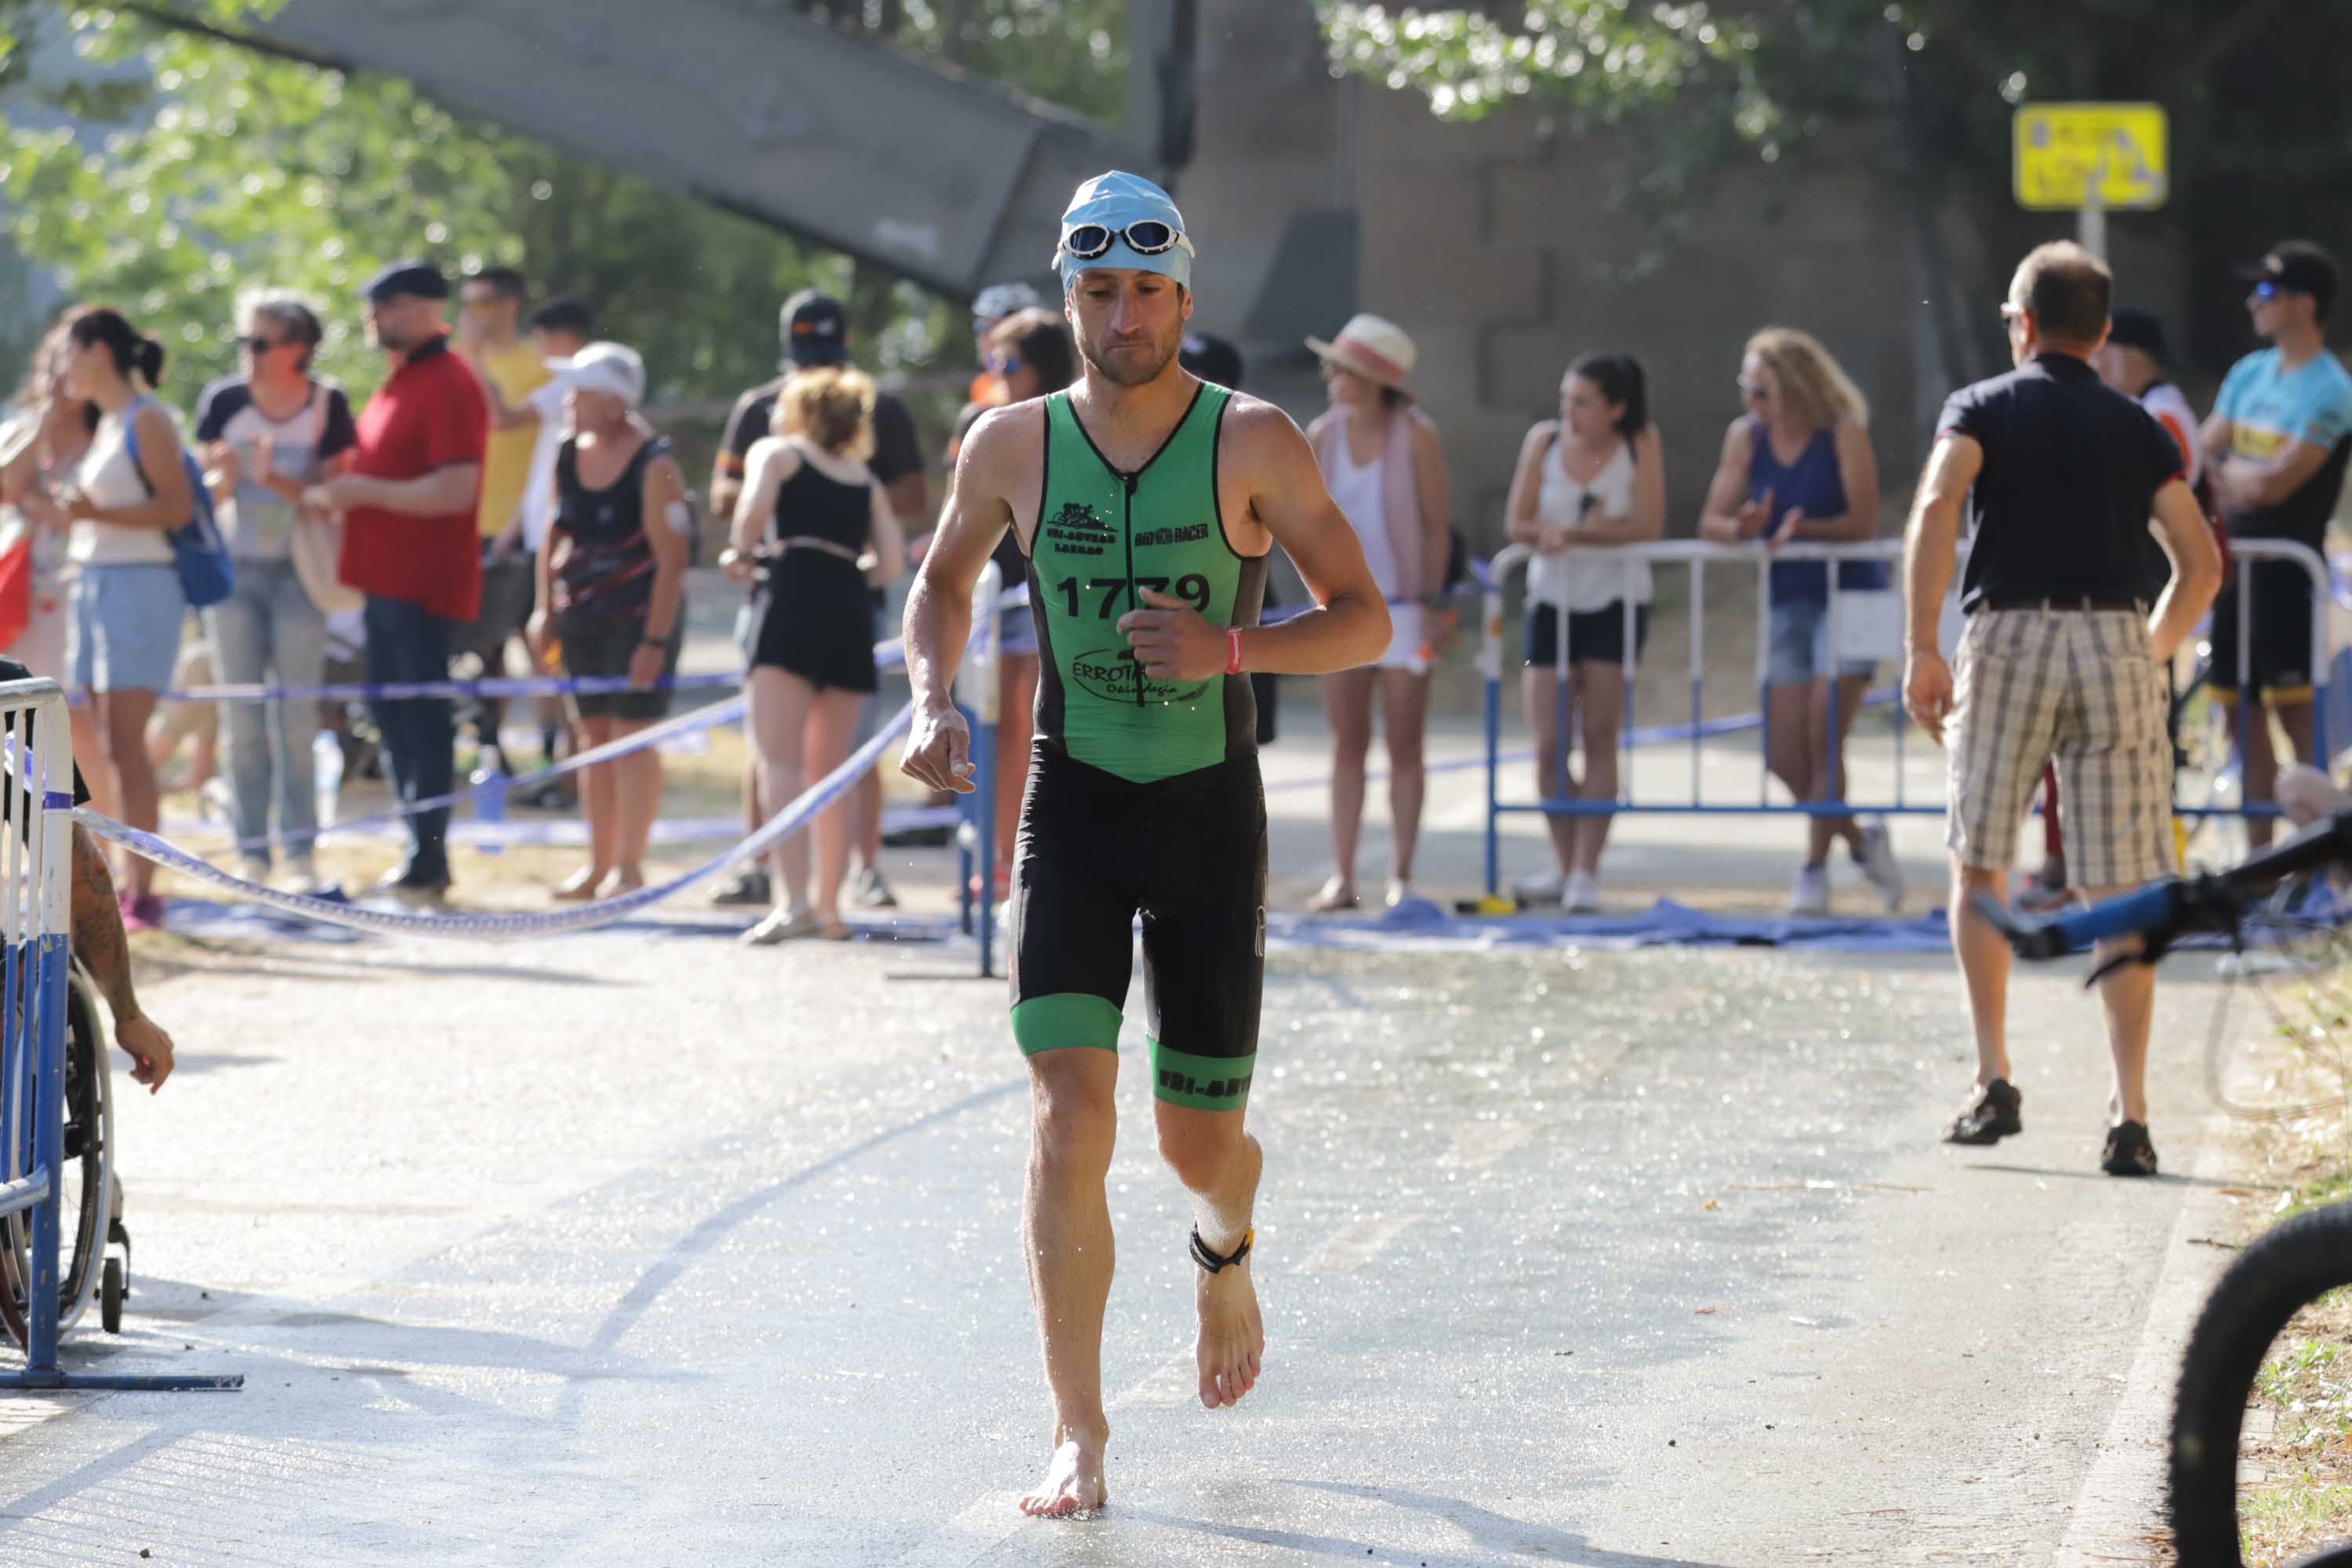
2064,656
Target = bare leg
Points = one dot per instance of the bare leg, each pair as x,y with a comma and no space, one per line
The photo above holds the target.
598,808
1348,703
2127,996
2263,761
1790,751
1539,698
1829,780
1405,720
865,803
780,713
1983,953
831,724
122,720
639,802
1601,698
1219,1165
1065,1240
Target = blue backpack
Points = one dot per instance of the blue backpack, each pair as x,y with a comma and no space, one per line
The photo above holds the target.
198,553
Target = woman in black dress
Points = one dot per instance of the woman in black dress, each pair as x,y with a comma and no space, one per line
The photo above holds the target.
813,513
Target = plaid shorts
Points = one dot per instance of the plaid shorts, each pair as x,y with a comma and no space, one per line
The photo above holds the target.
2083,689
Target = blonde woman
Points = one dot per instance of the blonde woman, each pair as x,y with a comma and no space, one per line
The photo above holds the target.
812,511
1385,466
1797,468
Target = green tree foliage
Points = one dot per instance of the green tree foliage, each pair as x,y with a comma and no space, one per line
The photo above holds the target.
2261,141
177,168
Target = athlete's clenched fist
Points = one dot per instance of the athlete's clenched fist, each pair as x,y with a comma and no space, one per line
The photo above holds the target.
938,750
1173,641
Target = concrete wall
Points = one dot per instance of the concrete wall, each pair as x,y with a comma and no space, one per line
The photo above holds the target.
1496,247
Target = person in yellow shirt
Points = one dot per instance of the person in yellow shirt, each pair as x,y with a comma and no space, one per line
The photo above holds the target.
490,336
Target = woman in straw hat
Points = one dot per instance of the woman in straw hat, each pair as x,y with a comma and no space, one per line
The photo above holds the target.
1385,466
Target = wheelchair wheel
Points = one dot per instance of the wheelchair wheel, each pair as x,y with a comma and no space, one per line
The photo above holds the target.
85,1181
2271,1281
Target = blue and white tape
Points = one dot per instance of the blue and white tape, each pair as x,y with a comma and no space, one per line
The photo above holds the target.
511,927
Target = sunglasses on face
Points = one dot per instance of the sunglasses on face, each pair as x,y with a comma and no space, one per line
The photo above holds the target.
2266,290
1754,391
1145,236
1005,366
257,345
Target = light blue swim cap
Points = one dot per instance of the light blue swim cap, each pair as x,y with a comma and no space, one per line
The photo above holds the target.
1117,201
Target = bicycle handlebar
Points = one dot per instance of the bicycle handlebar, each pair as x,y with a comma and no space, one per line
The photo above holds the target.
2161,910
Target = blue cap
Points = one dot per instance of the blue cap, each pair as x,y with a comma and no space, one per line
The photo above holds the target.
1115,200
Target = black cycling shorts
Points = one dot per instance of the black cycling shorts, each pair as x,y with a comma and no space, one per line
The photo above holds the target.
1186,853
2278,637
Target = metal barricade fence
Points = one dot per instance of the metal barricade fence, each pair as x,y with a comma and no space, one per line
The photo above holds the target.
1880,612
36,824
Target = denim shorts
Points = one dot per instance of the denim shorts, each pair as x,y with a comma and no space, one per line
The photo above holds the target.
1799,649
123,629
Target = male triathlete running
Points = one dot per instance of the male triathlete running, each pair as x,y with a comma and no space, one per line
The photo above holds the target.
1146,501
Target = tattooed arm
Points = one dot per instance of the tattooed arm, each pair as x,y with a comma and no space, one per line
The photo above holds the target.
105,953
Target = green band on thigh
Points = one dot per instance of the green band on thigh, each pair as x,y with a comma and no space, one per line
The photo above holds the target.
1066,1018
1204,1083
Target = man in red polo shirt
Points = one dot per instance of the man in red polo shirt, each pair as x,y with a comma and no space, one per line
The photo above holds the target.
407,503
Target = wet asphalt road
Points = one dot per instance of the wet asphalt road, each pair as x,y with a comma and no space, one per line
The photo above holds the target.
640,1248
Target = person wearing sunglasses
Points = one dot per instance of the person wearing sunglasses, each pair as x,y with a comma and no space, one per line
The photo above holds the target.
2277,441
1797,464
1146,503
267,434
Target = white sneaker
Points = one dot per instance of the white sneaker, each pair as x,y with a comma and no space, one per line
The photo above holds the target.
1811,894
301,876
253,869
1580,895
782,925
1876,859
1540,889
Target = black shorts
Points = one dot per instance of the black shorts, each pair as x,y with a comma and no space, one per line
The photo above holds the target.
600,650
1594,636
1187,854
2279,638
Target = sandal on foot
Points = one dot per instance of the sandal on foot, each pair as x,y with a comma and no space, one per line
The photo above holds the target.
2128,1151
1335,896
1994,1114
580,887
783,925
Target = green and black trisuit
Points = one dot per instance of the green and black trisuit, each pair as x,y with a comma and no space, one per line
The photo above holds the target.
1143,794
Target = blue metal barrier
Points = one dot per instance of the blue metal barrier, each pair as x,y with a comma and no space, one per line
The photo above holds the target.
35,774
1494,578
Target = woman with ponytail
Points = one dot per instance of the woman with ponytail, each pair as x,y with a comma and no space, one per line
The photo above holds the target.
125,608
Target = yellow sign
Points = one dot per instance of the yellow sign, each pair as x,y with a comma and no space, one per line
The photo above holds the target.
2061,152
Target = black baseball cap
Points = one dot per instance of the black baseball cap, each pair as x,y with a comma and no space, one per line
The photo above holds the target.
1211,359
418,279
2297,266
2141,330
814,329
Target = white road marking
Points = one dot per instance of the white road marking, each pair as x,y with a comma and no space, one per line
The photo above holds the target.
1357,1243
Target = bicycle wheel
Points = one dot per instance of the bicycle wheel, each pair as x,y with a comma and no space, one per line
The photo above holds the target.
85,1182
2271,1281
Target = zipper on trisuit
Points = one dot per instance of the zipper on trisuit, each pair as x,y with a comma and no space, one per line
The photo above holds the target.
1127,534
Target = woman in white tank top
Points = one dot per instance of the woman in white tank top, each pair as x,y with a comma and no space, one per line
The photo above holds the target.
126,608
1588,482
1385,467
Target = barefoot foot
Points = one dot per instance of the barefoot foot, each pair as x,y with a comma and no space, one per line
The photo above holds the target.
1074,1478
1232,1334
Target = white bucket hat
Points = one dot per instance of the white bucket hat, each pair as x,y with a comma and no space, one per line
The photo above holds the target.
1374,348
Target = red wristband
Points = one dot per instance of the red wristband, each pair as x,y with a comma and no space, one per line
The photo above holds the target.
1233,650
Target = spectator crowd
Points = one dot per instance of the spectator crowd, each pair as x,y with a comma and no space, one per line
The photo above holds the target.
502,493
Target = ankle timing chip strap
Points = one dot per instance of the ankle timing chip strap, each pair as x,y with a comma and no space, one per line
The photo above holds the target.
1211,1261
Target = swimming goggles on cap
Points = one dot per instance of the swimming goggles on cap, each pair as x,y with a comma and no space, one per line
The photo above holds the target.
1145,236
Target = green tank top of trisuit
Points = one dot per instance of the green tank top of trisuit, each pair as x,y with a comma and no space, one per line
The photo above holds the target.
1103,537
